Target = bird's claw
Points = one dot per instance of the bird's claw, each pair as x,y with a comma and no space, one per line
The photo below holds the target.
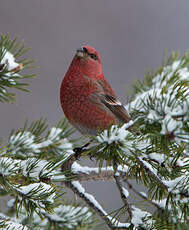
92,158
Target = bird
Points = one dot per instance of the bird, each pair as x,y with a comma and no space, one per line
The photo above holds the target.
87,99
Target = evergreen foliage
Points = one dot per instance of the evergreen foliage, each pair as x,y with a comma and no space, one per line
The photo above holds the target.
37,162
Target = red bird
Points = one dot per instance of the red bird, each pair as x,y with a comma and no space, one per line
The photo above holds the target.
87,99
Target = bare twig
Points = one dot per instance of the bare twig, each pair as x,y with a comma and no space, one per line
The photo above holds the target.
140,194
92,203
88,198
122,194
85,173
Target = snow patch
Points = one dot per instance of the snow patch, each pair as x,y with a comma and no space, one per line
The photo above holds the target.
9,60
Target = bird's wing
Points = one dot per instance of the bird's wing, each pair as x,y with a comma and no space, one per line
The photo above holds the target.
115,106
105,97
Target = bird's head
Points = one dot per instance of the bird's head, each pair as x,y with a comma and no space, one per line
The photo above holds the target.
89,59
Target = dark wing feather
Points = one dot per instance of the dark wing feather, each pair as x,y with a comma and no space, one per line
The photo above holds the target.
102,96
115,106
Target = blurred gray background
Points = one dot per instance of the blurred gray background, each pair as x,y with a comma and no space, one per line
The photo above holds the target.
130,35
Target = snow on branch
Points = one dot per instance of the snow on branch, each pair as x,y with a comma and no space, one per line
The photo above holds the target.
28,176
123,192
113,223
63,217
166,102
85,173
11,225
142,219
116,145
36,197
69,217
8,166
10,68
8,223
41,170
9,61
32,169
30,143
115,134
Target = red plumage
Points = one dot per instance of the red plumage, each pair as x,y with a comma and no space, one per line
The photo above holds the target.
88,101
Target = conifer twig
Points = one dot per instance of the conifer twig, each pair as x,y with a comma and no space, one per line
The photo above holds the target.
140,194
151,173
92,203
85,173
89,199
120,188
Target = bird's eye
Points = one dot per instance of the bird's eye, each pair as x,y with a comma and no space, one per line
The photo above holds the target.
85,50
93,56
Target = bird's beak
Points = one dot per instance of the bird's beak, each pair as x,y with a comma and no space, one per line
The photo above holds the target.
80,52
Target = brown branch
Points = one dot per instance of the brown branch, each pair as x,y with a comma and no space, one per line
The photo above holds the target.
140,194
109,176
84,173
86,197
93,204
122,194
94,176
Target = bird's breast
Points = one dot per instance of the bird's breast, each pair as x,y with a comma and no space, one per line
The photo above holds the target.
75,90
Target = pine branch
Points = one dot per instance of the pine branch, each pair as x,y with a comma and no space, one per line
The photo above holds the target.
140,194
10,69
92,203
7,223
121,190
76,187
85,173
163,183
151,172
